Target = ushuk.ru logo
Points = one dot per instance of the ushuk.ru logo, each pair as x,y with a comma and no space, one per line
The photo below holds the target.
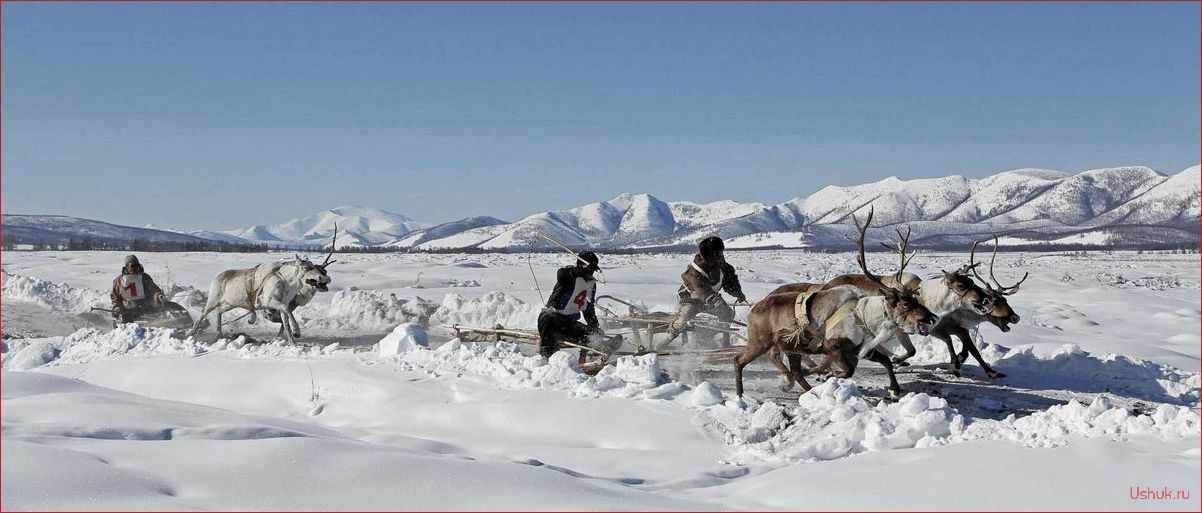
1142,493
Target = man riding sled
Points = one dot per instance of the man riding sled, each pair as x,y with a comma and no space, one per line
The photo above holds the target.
135,294
574,294
704,280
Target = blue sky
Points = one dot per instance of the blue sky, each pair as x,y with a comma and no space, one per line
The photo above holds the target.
218,116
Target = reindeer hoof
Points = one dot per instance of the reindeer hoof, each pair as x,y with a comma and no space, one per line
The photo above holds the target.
992,374
893,395
956,372
901,363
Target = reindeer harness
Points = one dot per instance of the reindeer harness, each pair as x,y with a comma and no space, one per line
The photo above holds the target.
801,309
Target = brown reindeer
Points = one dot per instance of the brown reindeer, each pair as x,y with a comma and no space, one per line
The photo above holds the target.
839,322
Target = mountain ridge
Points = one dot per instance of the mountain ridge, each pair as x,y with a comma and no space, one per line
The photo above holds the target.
1132,203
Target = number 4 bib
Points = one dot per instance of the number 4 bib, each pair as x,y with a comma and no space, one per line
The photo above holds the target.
131,287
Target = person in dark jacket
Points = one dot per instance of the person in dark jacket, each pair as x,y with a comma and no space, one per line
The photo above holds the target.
134,292
704,280
574,294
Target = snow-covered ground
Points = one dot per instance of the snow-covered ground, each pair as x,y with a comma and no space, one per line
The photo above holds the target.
1101,400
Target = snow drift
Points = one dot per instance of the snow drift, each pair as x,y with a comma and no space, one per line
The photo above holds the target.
59,297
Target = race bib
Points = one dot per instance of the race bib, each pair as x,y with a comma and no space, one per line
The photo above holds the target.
580,296
131,287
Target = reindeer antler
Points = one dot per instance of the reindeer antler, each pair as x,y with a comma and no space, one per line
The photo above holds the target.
899,245
333,246
1000,289
972,265
860,258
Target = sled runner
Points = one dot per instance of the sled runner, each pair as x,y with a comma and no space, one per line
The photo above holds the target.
645,324
500,333
170,316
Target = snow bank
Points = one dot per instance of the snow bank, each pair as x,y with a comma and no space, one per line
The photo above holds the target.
90,344
504,364
1053,426
1071,367
834,420
365,310
191,298
370,310
488,310
55,296
30,355
404,338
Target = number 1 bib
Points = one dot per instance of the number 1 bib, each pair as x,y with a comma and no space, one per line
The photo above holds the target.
131,287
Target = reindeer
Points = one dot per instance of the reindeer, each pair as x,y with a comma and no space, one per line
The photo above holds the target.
958,301
946,293
840,323
306,293
273,287
997,311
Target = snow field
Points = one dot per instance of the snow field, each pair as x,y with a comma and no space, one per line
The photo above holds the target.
335,425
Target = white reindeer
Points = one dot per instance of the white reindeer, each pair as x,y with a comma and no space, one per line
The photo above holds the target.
274,287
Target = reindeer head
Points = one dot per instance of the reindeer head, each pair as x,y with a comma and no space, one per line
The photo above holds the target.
315,275
999,312
972,297
901,303
908,313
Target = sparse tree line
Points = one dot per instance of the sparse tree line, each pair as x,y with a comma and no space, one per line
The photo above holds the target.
93,244
139,245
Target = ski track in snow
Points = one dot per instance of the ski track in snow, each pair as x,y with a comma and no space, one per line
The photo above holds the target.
670,434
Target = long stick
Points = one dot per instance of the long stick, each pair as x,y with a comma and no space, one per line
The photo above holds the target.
565,248
516,334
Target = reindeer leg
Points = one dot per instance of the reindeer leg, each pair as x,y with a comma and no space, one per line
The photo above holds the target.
748,355
903,338
296,332
830,354
833,350
941,332
287,327
883,359
774,356
799,372
196,327
966,339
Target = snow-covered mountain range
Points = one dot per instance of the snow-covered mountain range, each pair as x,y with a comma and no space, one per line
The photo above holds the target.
60,230
361,226
1127,204
1122,206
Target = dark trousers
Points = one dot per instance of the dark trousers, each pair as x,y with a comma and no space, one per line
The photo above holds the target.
553,327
